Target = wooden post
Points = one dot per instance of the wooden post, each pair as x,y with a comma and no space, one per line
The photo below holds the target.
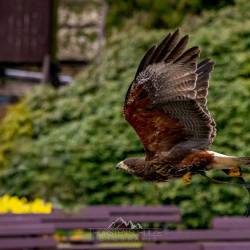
52,60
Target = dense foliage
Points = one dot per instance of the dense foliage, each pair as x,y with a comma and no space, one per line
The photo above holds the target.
157,13
62,145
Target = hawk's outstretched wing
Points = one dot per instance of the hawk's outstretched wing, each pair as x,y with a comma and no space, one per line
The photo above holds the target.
166,102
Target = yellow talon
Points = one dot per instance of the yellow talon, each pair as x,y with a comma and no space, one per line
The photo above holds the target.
234,172
187,178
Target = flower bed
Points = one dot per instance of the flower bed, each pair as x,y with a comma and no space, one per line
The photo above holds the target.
16,205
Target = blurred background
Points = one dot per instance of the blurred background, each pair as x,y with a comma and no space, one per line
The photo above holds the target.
65,66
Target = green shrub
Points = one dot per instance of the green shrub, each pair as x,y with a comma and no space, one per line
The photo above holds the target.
157,13
65,144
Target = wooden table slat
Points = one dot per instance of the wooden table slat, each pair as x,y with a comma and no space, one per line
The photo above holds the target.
27,243
196,235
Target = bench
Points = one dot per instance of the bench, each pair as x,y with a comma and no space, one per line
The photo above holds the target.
231,222
141,214
189,236
27,236
226,246
66,221
6,219
101,247
172,246
61,220
120,215
97,218
199,246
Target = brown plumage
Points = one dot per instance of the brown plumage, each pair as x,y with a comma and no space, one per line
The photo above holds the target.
166,104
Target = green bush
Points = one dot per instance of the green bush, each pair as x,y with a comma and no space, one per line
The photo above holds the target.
62,145
157,13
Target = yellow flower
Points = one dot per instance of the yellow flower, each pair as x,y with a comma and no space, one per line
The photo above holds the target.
13,204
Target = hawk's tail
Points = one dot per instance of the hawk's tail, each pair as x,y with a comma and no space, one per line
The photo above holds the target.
227,162
243,161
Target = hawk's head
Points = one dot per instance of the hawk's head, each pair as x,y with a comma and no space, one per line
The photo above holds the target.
134,166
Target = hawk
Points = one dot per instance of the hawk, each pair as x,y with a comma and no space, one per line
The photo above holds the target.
166,104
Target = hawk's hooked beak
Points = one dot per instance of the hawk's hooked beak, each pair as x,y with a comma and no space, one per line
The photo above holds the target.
122,165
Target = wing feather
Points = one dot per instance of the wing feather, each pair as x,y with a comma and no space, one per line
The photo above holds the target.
176,52
167,45
166,102
145,60
203,71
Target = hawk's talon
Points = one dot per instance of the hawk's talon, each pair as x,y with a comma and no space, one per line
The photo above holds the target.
187,178
235,172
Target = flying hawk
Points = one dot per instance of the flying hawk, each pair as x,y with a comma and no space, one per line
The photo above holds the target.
166,104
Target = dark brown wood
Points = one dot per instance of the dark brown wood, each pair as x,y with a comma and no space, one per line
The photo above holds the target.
151,218
231,223
198,246
27,236
27,243
22,230
100,217
195,235
100,247
18,220
93,218
142,214
65,221
145,210
25,30
87,225
61,215
172,246
135,214
28,35
226,246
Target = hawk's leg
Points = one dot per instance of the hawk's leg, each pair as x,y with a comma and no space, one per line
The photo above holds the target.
234,172
187,178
